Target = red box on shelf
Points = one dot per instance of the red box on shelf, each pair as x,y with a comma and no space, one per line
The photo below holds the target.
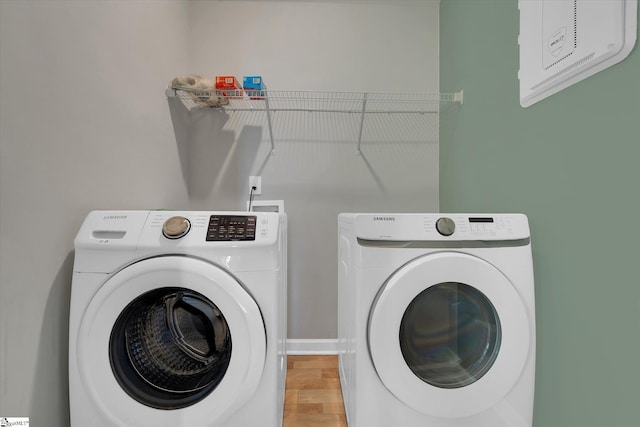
228,86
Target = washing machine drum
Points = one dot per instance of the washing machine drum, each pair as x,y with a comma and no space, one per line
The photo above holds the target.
170,347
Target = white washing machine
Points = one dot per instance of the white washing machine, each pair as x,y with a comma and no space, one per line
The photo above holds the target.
178,319
436,320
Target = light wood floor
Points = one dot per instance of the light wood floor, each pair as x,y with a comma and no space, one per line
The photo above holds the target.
313,397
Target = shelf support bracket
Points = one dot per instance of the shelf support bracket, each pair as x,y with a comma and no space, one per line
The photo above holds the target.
364,108
266,103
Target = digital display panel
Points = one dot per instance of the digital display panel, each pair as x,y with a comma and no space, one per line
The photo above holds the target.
231,228
480,219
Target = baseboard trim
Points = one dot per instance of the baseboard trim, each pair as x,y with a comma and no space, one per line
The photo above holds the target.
302,347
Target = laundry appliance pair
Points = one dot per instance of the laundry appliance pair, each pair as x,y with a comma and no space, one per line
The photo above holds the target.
436,320
178,319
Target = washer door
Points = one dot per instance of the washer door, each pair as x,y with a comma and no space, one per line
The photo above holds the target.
449,335
171,338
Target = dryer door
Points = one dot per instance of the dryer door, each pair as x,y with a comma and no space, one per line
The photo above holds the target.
449,335
171,339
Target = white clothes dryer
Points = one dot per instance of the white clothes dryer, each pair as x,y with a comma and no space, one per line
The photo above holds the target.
178,319
436,320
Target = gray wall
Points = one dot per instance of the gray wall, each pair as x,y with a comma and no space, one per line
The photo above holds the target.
571,163
84,124
322,46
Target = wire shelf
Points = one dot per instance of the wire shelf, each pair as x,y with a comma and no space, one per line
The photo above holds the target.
319,101
357,103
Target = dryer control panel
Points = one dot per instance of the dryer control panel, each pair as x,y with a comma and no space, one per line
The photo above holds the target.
440,227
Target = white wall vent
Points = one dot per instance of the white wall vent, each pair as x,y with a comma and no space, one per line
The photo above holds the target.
565,41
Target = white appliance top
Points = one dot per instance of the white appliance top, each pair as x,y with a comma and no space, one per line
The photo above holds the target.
440,227
111,238
190,228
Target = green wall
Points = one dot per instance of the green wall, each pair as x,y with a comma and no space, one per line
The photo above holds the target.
571,163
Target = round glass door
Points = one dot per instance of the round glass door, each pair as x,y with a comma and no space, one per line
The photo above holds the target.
170,348
450,335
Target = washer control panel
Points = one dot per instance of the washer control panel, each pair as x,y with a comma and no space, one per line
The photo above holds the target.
231,228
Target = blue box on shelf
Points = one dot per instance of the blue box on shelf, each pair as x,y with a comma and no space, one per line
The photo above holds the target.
254,87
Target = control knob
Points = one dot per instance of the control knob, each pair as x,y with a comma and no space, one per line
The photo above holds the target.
176,227
445,226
